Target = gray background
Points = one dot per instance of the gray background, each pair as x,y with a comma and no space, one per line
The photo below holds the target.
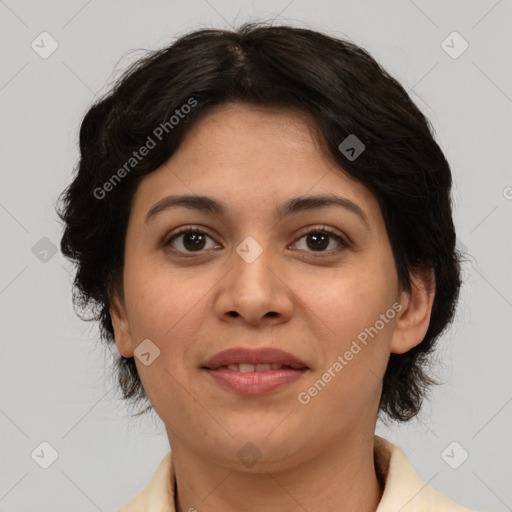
55,383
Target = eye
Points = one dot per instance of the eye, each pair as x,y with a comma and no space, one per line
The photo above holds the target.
192,240
317,239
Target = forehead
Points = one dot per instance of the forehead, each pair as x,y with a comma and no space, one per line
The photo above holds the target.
251,158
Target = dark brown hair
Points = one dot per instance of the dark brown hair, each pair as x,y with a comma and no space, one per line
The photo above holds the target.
342,88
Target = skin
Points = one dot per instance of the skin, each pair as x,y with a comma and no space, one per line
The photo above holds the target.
291,297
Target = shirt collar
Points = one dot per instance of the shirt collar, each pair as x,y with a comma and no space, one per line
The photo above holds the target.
403,489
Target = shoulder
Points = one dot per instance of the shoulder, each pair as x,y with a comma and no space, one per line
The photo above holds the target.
158,494
404,490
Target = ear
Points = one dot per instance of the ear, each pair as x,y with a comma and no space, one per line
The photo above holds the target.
121,327
414,317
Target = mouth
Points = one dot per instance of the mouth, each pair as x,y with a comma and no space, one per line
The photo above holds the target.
260,367
254,371
253,359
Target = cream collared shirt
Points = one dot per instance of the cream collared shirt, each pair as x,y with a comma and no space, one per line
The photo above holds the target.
404,491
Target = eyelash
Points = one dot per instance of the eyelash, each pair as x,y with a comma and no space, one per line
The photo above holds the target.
317,230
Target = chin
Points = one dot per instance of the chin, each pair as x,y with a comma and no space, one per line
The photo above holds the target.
260,455
274,445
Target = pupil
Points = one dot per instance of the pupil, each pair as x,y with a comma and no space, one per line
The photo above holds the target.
195,239
316,237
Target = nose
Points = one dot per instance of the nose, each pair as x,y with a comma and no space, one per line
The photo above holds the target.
255,291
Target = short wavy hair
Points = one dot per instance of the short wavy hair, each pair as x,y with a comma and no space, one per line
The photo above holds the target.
342,89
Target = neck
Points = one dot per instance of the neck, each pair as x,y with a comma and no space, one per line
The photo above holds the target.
342,477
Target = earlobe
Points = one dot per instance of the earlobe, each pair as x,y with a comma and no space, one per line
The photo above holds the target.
414,318
121,327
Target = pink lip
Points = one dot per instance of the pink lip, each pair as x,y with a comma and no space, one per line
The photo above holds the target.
254,382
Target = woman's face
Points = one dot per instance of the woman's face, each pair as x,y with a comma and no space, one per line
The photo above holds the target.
292,286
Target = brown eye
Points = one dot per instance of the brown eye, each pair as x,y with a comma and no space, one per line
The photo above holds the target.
189,240
319,239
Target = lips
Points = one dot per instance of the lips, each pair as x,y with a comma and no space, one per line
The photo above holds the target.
246,360
254,371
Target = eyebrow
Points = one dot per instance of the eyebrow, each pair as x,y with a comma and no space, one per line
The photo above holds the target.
292,206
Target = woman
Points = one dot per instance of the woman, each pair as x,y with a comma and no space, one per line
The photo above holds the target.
262,221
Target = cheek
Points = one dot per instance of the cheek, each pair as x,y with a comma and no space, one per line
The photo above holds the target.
169,307
349,300
161,299
356,305
361,319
